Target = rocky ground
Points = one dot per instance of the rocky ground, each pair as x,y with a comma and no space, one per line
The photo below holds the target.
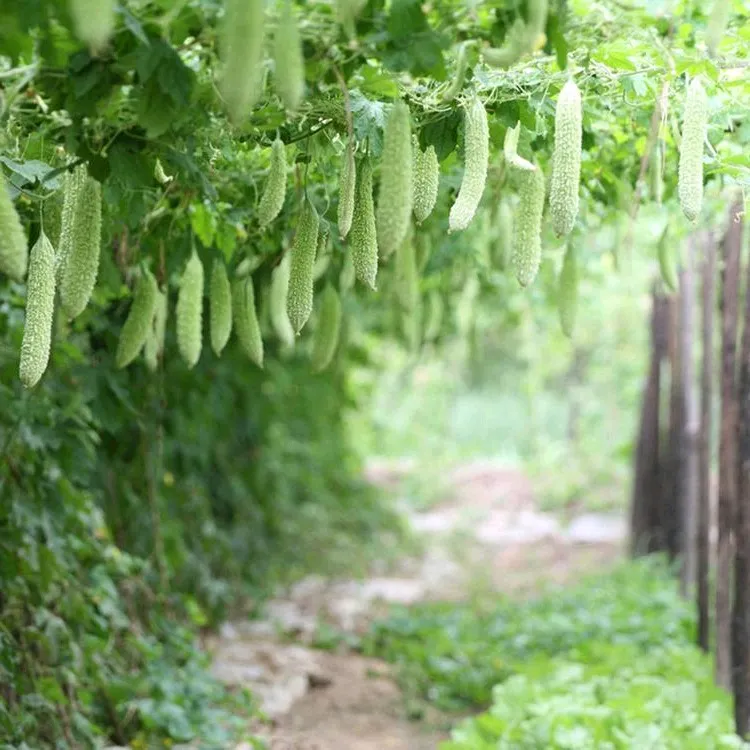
486,534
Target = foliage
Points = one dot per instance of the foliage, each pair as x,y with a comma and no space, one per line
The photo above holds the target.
606,695
453,655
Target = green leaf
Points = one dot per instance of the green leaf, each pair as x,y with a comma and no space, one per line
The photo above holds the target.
203,223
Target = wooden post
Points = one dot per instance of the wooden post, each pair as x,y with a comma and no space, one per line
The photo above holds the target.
688,478
704,496
730,275
741,604
671,473
647,516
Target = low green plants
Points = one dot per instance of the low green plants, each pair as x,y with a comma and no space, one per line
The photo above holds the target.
453,655
606,695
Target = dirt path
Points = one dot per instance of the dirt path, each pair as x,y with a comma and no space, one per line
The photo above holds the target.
485,536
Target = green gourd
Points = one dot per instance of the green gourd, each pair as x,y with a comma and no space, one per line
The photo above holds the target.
272,200
527,227
364,243
220,307
327,333
347,186
690,174
568,292
14,252
246,319
288,58
300,295
395,200
40,308
566,160
140,320
189,312
426,171
476,155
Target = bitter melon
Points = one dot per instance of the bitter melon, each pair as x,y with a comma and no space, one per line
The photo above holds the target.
300,296
288,57
220,301
566,160
246,319
139,322
241,49
395,200
527,226
154,346
426,171
14,252
277,302
81,264
40,307
568,291
347,186
476,155
272,200
690,177
93,21
326,337
364,244
189,312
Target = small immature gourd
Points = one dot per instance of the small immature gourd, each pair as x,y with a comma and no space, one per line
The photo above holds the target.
568,291
347,186
327,333
426,170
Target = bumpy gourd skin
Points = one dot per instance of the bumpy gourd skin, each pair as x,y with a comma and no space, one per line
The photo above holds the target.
14,252
154,346
290,62
690,177
329,328
246,319
220,301
568,291
395,200
272,200
278,298
300,294
72,184
93,20
477,151
40,308
527,227
81,264
140,320
347,186
566,160
241,50
364,243
426,171
189,312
